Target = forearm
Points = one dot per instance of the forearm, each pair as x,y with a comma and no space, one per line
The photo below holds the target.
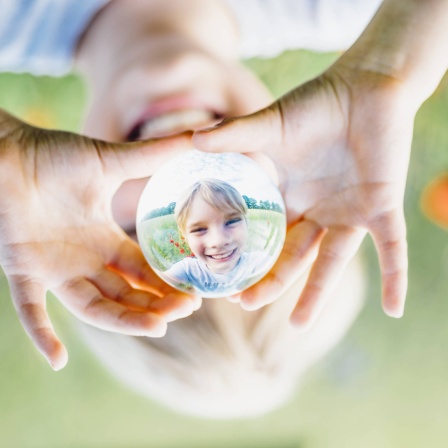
407,41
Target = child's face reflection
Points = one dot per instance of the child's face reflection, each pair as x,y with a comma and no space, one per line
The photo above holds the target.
161,82
217,238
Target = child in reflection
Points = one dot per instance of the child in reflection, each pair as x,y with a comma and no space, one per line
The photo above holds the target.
212,217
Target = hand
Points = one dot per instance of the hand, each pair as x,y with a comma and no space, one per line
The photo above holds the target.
57,234
341,146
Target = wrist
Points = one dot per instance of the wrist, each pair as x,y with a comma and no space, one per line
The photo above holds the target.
8,125
368,91
10,160
407,43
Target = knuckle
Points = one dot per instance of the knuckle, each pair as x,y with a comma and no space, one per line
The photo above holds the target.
331,254
393,245
94,303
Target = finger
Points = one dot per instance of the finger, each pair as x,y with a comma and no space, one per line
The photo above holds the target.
236,298
174,305
389,235
130,263
261,131
337,248
87,303
290,118
299,251
128,260
28,297
143,158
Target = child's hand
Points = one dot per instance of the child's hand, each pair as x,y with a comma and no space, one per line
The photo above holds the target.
341,145
57,234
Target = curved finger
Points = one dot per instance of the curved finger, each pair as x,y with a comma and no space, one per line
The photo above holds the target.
143,158
261,131
389,235
85,301
236,298
28,297
172,306
176,305
299,250
128,260
338,247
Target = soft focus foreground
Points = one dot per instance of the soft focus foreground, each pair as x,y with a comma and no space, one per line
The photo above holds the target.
385,385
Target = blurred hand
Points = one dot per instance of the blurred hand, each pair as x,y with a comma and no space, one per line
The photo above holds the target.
57,234
341,146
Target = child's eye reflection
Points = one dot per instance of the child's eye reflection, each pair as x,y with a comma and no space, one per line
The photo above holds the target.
233,221
227,223
198,230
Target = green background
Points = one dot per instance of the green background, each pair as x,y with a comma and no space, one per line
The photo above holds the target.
385,385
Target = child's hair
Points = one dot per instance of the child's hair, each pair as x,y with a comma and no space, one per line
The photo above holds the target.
217,193
223,362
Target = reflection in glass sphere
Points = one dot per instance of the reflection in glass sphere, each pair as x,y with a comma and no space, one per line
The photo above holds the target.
211,224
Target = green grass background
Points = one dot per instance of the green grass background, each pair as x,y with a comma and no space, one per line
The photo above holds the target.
162,243
386,385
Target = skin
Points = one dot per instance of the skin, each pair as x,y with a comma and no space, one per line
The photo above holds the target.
58,234
168,63
60,222
62,216
217,239
342,145
161,61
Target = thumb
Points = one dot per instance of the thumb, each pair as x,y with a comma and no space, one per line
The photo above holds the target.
142,158
260,131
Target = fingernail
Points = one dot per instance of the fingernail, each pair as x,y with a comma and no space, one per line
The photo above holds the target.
236,298
248,306
394,308
158,332
197,303
300,321
210,128
300,326
59,358
58,364
396,314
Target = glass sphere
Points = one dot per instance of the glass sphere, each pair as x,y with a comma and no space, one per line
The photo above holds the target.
211,224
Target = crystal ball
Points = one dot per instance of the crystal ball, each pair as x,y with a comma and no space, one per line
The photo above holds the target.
211,224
